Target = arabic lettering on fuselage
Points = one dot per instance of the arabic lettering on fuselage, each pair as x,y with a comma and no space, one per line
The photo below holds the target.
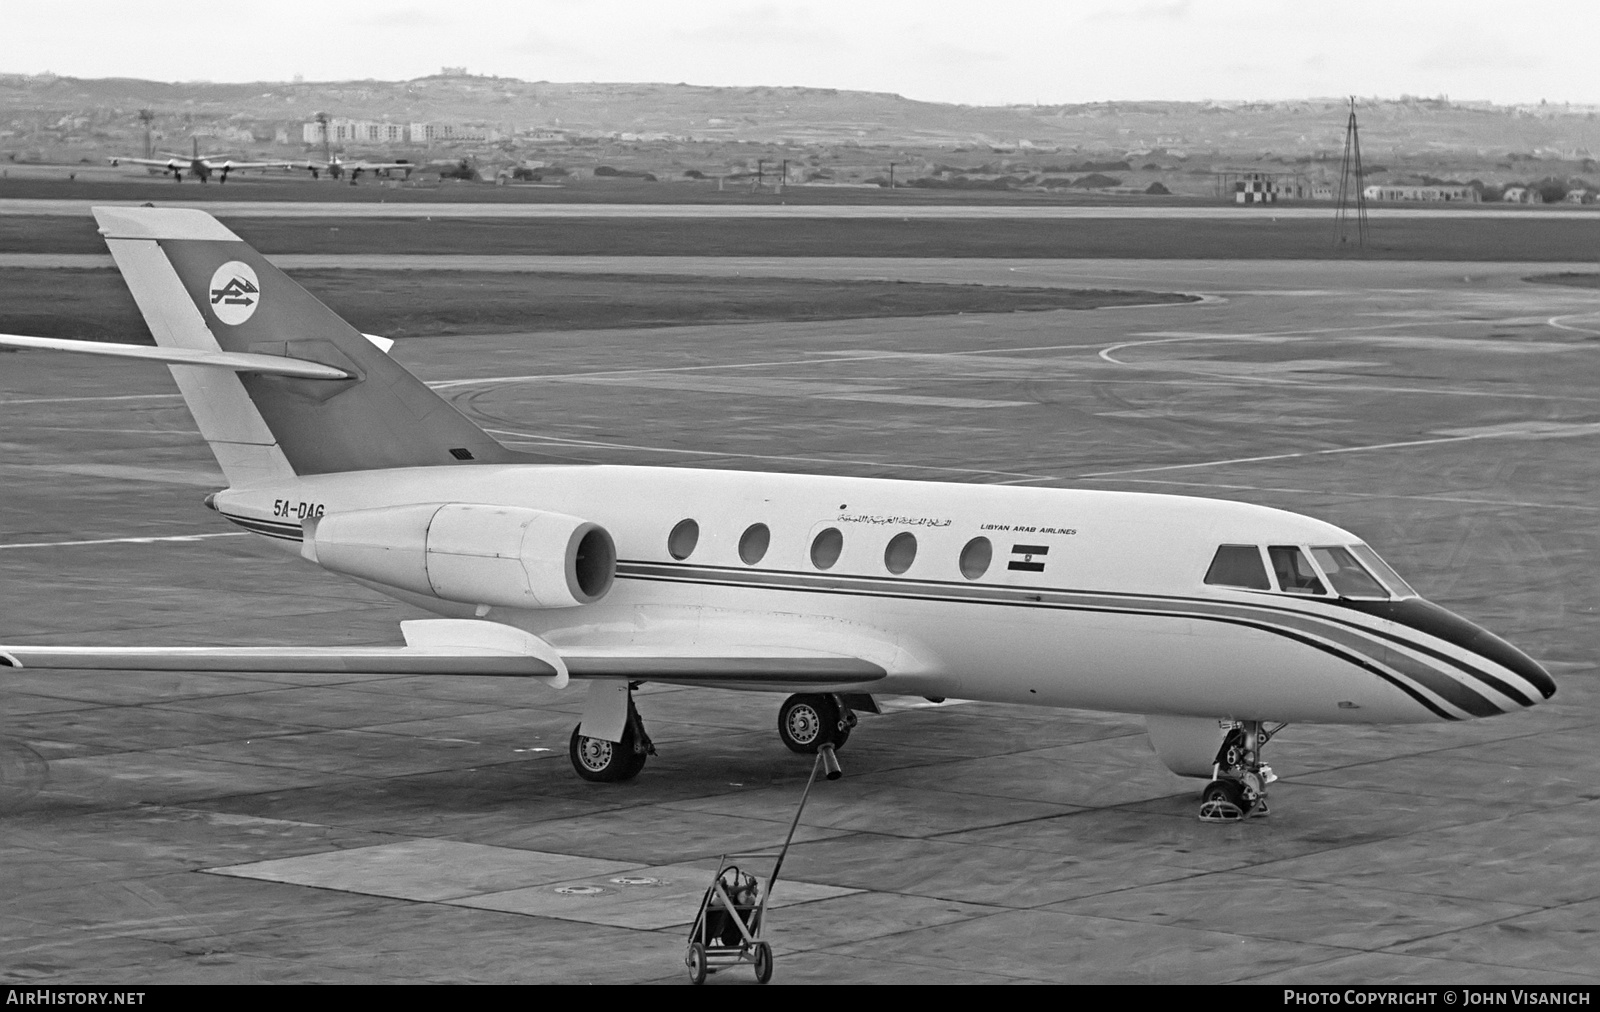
871,518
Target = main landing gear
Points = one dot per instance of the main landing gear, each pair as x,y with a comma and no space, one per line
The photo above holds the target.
1238,789
602,761
806,722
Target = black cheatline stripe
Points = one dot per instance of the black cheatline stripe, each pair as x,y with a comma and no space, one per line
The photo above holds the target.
1427,617
1436,681
267,528
1510,691
1261,625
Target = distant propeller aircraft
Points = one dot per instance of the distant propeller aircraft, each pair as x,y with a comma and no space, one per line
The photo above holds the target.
199,166
336,168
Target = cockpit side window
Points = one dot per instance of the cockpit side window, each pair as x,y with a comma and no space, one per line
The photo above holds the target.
1379,568
1349,579
1294,571
1238,566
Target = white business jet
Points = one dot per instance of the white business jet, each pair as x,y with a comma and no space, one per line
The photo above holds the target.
1219,621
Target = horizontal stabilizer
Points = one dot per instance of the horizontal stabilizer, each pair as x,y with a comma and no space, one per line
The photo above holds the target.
238,361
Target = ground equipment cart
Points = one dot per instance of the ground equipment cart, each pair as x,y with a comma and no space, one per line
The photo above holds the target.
727,930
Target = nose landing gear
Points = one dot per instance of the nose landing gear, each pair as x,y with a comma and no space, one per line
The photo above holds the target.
1238,789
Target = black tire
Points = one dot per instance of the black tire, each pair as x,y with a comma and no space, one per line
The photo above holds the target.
696,961
1230,791
763,962
604,762
807,722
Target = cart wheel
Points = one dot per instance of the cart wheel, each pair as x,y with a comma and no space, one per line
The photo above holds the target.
763,962
696,961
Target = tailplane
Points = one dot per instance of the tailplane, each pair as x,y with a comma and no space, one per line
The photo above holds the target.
202,288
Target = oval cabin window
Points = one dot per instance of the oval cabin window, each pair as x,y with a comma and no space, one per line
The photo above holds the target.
975,558
681,542
753,543
902,551
825,548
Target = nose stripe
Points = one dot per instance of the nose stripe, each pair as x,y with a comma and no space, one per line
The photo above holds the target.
1498,684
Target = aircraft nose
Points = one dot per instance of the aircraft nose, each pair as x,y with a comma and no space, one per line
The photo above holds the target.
1427,617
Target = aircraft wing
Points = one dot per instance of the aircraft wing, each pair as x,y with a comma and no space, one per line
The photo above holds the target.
228,163
472,647
164,162
433,647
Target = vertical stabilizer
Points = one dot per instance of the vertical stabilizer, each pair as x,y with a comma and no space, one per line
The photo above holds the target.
200,286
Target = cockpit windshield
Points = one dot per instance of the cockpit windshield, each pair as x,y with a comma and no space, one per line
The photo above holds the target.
1349,579
1294,571
1369,558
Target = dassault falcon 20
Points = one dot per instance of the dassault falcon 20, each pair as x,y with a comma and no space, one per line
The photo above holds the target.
1219,621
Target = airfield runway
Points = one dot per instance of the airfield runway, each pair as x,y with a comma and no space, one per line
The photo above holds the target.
896,212
291,828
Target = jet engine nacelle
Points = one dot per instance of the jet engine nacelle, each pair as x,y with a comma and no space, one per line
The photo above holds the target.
506,556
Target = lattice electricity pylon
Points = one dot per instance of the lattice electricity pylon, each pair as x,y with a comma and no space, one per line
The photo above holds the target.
1351,165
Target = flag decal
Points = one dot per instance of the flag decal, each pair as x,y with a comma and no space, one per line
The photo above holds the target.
1028,558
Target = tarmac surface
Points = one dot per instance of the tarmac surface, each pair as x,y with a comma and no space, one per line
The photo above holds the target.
407,209
160,828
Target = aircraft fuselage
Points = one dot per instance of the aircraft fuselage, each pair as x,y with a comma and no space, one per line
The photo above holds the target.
1088,599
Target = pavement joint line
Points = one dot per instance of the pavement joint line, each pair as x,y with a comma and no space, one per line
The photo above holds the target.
826,358
527,437
127,540
1345,494
109,397
1403,444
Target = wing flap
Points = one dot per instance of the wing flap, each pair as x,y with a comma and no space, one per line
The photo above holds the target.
743,669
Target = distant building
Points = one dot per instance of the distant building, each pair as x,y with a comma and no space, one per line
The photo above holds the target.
1522,195
1260,186
443,133
1580,196
1425,194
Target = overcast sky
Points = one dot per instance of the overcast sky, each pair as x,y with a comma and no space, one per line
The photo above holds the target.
970,51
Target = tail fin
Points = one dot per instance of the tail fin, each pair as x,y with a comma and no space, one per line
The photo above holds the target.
201,287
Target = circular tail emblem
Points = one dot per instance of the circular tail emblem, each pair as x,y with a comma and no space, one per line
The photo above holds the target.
234,292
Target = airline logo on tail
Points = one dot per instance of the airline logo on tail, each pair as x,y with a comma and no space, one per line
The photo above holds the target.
235,291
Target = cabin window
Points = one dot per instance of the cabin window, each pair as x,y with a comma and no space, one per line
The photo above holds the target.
753,543
1294,571
681,542
1369,558
901,553
825,548
1346,575
1238,566
975,558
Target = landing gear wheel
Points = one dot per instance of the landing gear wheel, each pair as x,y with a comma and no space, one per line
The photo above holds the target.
1223,801
763,962
605,762
807,722
696,962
